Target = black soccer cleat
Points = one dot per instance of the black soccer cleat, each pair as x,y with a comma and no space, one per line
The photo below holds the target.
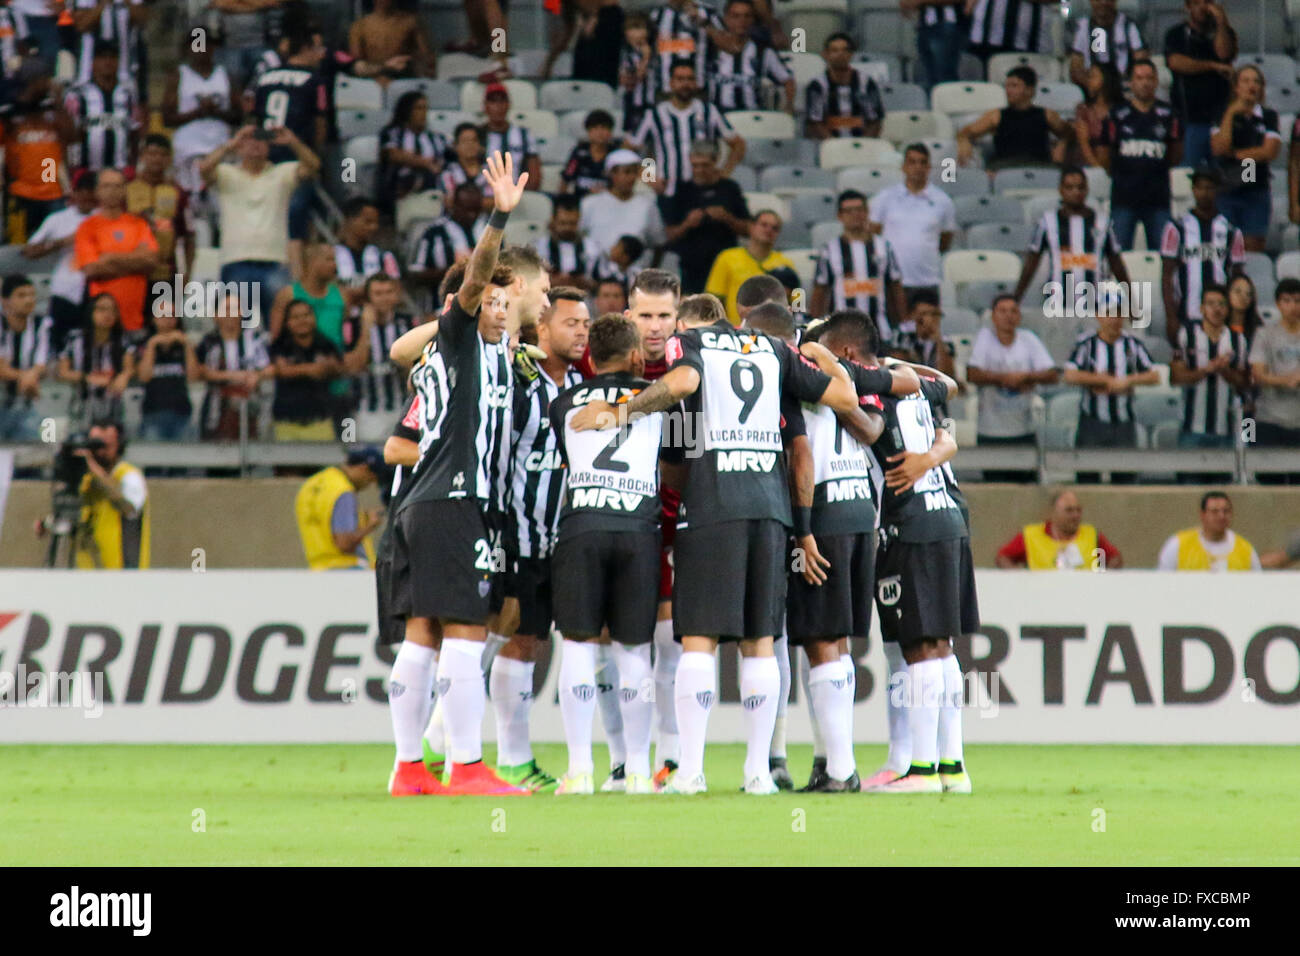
817,778
829,784
780,773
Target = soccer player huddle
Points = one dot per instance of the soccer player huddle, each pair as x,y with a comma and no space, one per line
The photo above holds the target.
650,485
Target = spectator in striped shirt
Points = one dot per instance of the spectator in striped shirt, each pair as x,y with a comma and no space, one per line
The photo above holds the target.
1201,248
636,70
410,155
1007,26
857,270
116,24
1275,363
99,360
368,334
572,256
24,356
1211,361
233,360
105,109
1108,365
681,32
448,240
920,336
467,167
1107,36
356,256
500,135
736,79
584,172
842,101
939,37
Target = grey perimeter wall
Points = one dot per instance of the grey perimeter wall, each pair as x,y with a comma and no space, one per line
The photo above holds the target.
250,523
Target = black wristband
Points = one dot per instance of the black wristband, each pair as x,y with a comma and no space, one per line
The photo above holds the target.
802,522
498,219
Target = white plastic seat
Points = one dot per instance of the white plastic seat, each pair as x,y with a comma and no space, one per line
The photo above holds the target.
776,178
421,205
363,149
560,95
356,123
857,151
868,180
964,97
805,264
1061,97
764,124
353,93
1047,67
757,201
976,265
446,121
440,94
901,128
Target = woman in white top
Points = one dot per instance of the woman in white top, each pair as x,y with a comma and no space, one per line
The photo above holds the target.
200,105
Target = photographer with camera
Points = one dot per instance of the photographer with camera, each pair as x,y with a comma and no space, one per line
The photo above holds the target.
113,530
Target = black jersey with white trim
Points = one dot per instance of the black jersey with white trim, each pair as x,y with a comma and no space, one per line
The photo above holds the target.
927,511
466,387
537,474
737,465
611,481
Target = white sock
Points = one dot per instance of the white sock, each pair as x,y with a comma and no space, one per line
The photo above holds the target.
829,686
950,750
511,689
782,648
900,737
465,698
851,675
667,653
578,702
491,646
436,731
638,712
607,697
695,687
409,688
819,741
925,689
760,685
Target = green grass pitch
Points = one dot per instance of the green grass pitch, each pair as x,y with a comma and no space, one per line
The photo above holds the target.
307,805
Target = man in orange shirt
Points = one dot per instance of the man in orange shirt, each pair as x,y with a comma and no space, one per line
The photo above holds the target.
116,251
34,137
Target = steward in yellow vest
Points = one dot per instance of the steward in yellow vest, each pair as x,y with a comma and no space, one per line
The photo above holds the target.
114,528
335,533
1211,547
1045,553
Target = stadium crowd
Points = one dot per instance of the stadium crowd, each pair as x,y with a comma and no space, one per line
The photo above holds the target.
321,176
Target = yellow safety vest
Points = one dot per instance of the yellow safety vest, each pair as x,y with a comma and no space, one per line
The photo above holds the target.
1192,555
314,507
109,539
1042,551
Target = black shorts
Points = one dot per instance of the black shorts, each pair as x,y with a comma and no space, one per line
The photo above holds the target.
529,582
602,578
443,564
729,579
926,591
841,605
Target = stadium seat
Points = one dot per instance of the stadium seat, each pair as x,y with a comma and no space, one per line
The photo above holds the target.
1286,100
868,180
1288,267
523,95
537,122
554,149
562,95
422,205
1262,22
1017,180
794,235
461,66
980,265
355,123
817,18
352,93
824,232
767,124
1063,411
745,177
961,97
1282,237
880,67
55,401
1153,406
446,121
760,200
1279,69
804,66
897,95
1008,236
774,179
971,210
884,31
960,321
551,173
1165,436
524,232
1259,267
133,410
1062,97
534,205
781,152
805,264
959,181
440,94
1098,182
1143,267
902,128
856,151
1047,67
977,296
811,205
1180,182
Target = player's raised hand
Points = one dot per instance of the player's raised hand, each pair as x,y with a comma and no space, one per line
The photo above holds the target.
597,416
506,193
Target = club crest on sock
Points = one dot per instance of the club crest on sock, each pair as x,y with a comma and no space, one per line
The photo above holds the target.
584,692
444,685
704,698
628,694
754,701
395,690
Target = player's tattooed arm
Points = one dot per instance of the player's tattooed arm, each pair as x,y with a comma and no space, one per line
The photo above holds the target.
506,193
661,395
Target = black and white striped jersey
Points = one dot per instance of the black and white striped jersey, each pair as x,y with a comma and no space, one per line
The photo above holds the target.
1116,46
843,107
1207,252
438,247
670,131
455,174
466,389
606,268
379,387
115,26
1125,356
1077,245
576,257
537,471
104,124
677,37
843,502
735,80
1018,25
25,348
400,180
637,95
1207,404
933,14
515,140
354,268
858,273
611,480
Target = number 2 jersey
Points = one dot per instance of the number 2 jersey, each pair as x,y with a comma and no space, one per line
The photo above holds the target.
733,423
465,385
612,480
929,510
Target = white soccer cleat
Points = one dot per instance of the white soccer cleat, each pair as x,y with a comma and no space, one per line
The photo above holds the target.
761,785
576,783
616,782
912,783
955,782
636,783
678,784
